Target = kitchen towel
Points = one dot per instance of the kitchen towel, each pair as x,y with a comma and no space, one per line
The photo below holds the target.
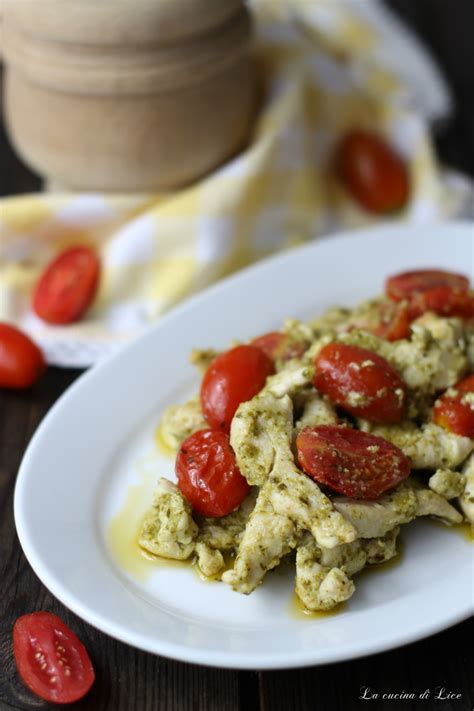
326,67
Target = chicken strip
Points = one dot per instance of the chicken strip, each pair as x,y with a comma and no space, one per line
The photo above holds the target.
323,575
268,537
181,421
407,501
317,410
168,529
447,483
428,447
261,436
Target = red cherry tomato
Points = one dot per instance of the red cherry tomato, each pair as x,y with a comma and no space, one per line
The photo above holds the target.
21,361
371,171
395,322
404,285
361,382
279,346
233,377
50,659
208,475
452,410
67,286
444,301
351,462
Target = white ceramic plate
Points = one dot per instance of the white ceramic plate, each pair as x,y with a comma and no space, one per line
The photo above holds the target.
95,450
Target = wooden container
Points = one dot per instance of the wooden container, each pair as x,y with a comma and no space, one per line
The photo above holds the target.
127,95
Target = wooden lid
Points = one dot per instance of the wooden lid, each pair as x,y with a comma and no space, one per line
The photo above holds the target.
127,68
117,21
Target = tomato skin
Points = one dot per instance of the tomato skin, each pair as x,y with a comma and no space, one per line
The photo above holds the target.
50,659
278,346
351,462
452,412
233,377
22,363
372,172
404,285
67,286
208,475
395,323
360,382
444,301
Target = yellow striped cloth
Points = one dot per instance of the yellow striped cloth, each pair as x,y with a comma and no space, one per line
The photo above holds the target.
327,66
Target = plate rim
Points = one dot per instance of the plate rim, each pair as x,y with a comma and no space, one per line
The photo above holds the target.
182,652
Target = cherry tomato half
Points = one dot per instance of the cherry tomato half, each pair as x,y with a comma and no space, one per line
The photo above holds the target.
351,462
50,659
360,382
371,171
67,286
395,320
404,285
279,346
454,412
233,377
444,301
21,361
208,475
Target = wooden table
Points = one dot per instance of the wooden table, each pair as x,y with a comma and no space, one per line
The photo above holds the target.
130,680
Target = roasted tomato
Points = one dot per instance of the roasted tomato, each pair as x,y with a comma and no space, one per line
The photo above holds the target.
279,346
351,462
360,382
404,285
67,286
233,377
372,172
208,475
395,320
454,410
444,301
50,659
21,361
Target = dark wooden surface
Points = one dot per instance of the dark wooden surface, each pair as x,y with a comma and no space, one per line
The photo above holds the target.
129,680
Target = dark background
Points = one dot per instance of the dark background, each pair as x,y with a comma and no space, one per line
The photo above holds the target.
130,680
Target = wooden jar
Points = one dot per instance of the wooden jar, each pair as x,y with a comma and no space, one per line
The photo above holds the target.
127,95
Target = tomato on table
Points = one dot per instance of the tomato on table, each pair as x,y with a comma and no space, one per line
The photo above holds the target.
279,346
22,363
67,286
50,659
404,285
208,476
372,172
351,462
454,410
233,377
360,382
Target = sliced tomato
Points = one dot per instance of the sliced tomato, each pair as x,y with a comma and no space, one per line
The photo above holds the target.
67,286
351,462
50,659
360,382
454,411
208,475
22,363
279,346
372,172
233,377
444,301
404,285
